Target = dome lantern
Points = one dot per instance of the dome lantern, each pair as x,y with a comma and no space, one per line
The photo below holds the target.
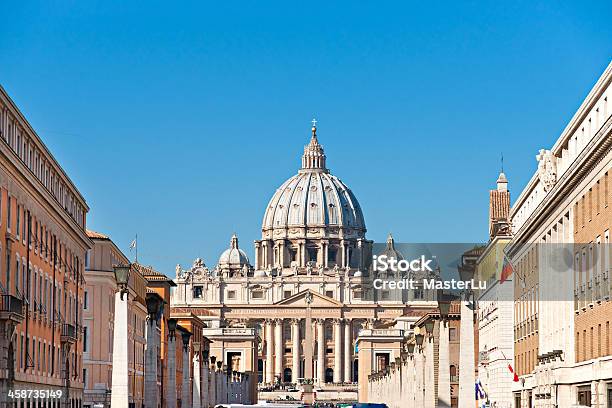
314,155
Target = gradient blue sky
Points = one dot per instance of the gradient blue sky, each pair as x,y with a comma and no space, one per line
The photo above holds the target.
178,122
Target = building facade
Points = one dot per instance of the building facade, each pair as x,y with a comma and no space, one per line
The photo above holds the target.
307,295
495,303
43,247
559,252
99,326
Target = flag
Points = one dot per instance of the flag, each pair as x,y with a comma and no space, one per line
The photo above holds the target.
133,244
480,394
507,269
515,378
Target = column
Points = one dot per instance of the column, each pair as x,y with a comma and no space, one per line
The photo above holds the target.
337,350
295,350
419,374
151,396
257,257
171,385
186,389
347,350
120,390
196,396
269,374
444,395
430,398
321,351
212,384
278,344
466,356
205,385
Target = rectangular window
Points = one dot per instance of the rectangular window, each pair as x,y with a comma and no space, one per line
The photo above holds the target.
18,229
197,292
286,294
85,338
329,293
8,213
258,294
85,300
231,294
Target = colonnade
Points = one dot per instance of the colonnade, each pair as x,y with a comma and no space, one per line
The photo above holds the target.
342,355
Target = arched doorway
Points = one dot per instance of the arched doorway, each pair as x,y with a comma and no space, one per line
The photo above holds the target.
287,375
329,375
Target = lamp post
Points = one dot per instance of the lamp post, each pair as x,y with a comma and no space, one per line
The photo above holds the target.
122,277
120,370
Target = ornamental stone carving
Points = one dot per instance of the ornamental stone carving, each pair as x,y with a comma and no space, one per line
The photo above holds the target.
547,169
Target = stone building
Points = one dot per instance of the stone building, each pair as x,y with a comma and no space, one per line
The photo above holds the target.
43,247
560,225
106,367
295,313
495,303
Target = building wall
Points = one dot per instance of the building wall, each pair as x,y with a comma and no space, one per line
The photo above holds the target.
593,218
33,183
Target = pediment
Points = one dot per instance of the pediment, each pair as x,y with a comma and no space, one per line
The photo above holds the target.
318,300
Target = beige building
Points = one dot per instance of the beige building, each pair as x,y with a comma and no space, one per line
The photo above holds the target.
99,318
559,252
43,247
295,314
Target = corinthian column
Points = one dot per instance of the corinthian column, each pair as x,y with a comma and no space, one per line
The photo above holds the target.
321,351
186,395
295,350
337,350
278,344
347,350
269,378
430,400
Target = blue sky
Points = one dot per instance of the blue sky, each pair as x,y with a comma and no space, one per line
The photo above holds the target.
179,122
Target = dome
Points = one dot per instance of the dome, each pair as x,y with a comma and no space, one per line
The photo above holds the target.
314,198
233,257
390,251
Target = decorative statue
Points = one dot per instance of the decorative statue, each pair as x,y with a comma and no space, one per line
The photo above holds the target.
245,270
347,270
198,263
321,270
336,270
309,268
179,271
294,268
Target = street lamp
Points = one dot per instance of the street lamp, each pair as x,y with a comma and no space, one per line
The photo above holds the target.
186,336
172,328
444,304
419,339
410,348
429,325
154,304
122,276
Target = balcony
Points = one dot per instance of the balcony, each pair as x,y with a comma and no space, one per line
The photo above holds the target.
11,308
69,334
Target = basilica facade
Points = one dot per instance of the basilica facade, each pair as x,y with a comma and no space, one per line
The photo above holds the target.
294,315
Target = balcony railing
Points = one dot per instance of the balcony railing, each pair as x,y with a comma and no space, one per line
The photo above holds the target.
68,333
11,307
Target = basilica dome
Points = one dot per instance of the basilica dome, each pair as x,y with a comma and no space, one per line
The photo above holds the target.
314,198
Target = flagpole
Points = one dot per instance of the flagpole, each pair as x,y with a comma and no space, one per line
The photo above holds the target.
136,246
